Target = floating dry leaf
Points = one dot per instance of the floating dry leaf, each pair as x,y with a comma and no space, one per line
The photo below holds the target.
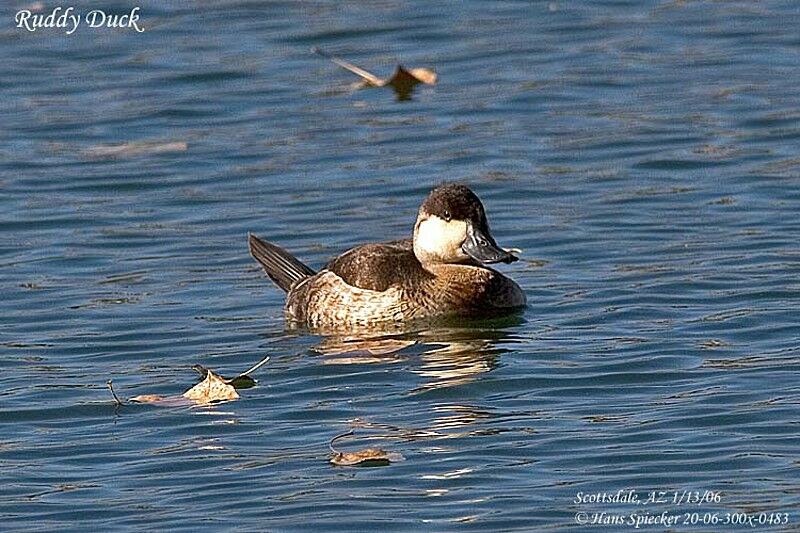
365,457
402,81
212,389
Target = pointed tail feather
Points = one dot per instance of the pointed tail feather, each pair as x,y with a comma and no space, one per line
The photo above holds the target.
281,266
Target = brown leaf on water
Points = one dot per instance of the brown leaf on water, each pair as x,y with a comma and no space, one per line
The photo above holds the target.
402,81
365,457
212,389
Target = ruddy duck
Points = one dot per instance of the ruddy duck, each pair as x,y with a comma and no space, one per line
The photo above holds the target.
441,272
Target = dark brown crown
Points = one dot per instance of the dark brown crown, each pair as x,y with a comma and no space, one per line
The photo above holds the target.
456,201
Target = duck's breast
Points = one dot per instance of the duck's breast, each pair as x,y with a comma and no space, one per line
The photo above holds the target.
470,289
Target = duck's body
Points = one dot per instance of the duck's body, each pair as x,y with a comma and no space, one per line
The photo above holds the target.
437,274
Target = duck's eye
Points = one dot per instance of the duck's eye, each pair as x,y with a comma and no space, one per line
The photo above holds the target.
447,216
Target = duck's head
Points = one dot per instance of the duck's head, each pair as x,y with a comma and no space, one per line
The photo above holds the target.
452,228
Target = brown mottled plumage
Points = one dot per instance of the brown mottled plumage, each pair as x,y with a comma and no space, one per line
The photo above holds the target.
441,272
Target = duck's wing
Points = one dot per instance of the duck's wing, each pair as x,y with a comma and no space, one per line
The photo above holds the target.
377,267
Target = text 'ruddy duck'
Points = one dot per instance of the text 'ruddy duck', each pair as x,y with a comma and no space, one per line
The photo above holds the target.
69,20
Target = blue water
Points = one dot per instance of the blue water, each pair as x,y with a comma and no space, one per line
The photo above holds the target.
644,155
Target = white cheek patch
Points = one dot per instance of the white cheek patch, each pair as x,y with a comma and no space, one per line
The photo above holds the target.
439,240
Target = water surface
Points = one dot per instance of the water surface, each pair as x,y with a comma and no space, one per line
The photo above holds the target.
642,154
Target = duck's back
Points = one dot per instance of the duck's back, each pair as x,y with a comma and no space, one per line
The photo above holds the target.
379,266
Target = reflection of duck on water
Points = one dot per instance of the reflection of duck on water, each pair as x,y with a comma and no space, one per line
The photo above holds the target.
462,355
443,356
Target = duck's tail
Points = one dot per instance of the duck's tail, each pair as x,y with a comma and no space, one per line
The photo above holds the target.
282,267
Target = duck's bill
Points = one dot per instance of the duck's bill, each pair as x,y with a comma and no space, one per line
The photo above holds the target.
481,247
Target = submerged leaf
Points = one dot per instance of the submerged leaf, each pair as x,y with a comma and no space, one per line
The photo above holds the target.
212,389
365,457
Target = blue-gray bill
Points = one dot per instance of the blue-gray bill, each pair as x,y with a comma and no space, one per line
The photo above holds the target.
481,247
